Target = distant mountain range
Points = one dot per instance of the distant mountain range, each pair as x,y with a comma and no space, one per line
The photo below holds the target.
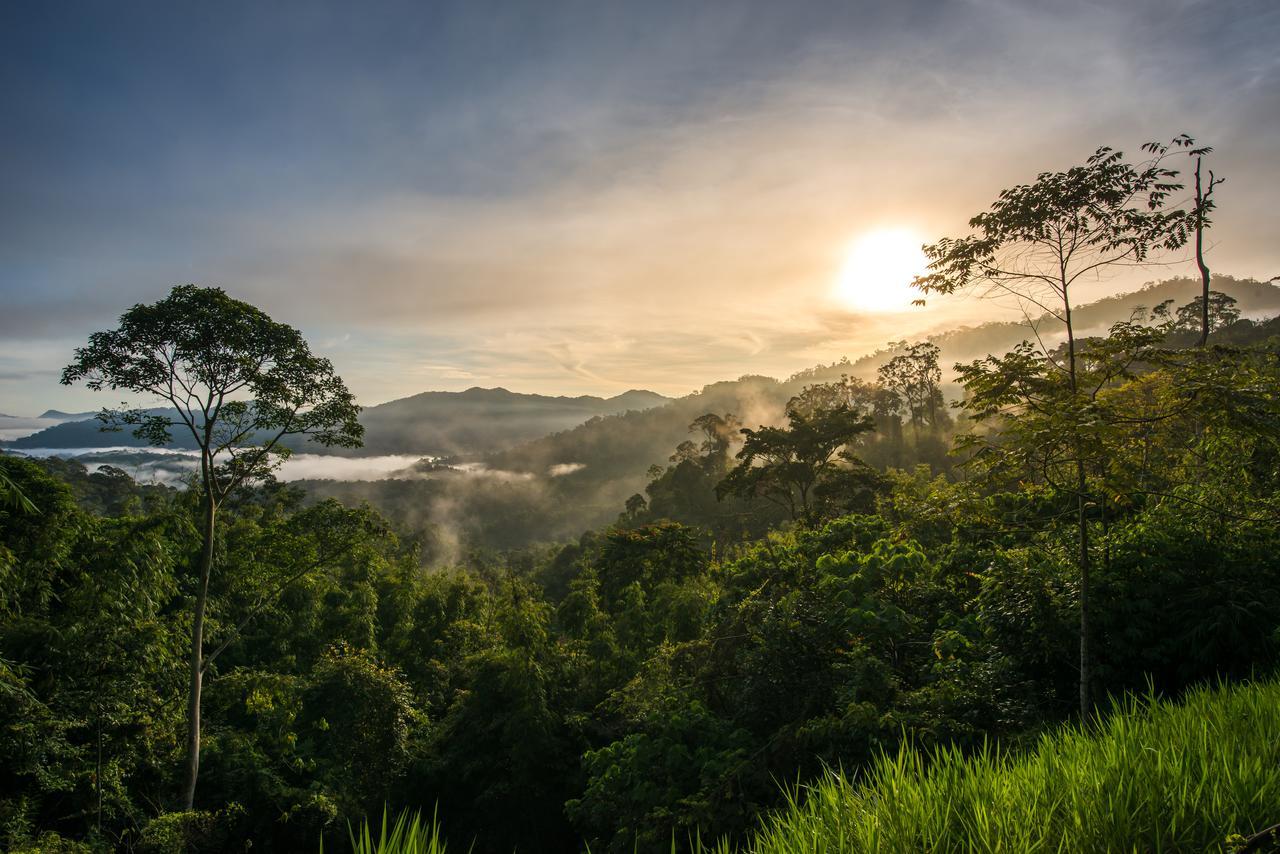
547,468
17,426
611,455
434,423
531,432
483,419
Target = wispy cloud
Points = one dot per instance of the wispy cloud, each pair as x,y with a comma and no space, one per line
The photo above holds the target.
597,198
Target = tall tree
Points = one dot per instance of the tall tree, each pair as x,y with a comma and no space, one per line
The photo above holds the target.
1038,240
784,464
1204,207
239,383
1220,311
914,376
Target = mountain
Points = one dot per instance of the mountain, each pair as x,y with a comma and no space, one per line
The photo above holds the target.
1254,300
481,420
555,487
59,415
434,423
17,426
547,468
84,433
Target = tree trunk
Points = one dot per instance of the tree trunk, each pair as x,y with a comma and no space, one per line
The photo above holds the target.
1082,530
1204,270
1086,653
97,773
197,657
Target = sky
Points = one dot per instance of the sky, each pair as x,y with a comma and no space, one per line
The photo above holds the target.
575,197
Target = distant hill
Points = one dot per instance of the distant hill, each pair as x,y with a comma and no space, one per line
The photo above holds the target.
17,426
434,423
608,457
480,420
85,433
59,415
1254,299
551,467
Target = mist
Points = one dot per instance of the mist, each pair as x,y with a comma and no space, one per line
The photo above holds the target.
171,467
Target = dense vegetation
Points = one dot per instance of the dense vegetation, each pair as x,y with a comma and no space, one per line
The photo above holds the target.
1157,777
656,677
866,575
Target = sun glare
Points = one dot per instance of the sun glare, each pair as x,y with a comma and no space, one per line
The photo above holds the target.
878,270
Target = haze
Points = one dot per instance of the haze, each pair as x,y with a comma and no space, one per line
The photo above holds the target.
574,198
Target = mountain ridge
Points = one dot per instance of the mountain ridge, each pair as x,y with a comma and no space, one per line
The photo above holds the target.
432,423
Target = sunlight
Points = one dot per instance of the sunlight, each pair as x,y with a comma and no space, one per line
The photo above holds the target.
878,270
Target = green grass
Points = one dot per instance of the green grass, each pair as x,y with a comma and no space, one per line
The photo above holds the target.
1153,777
408,835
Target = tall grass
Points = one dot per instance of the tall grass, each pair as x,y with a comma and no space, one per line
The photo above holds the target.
1154,777
409,834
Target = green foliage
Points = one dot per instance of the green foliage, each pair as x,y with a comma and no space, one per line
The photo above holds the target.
52,843
655,682
409,834
11,495
1156,776
193,831
674,777
785,466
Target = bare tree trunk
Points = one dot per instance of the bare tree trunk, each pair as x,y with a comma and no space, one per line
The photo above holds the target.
197,657
1204,270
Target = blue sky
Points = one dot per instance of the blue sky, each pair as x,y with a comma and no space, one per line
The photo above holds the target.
571,197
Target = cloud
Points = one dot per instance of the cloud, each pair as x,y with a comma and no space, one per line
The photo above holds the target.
562,469
658,197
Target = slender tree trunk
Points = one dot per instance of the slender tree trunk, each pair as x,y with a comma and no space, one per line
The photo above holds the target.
97,773
197,657
1082,531
1086,625
1204,270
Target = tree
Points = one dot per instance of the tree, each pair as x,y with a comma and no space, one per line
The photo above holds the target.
914,377
1038,241
239,383
1204,207
1196,315
635,505
784,464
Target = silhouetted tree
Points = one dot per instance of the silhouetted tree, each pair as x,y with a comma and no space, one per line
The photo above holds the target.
915,378
784,464
1039,240
239,383
1204,206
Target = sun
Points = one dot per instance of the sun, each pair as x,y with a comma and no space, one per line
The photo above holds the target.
878,270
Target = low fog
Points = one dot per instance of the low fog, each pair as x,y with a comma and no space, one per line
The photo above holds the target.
170,467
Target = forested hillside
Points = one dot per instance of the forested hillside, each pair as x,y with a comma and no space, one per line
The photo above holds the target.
845,609
653,677
816,474
559,485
